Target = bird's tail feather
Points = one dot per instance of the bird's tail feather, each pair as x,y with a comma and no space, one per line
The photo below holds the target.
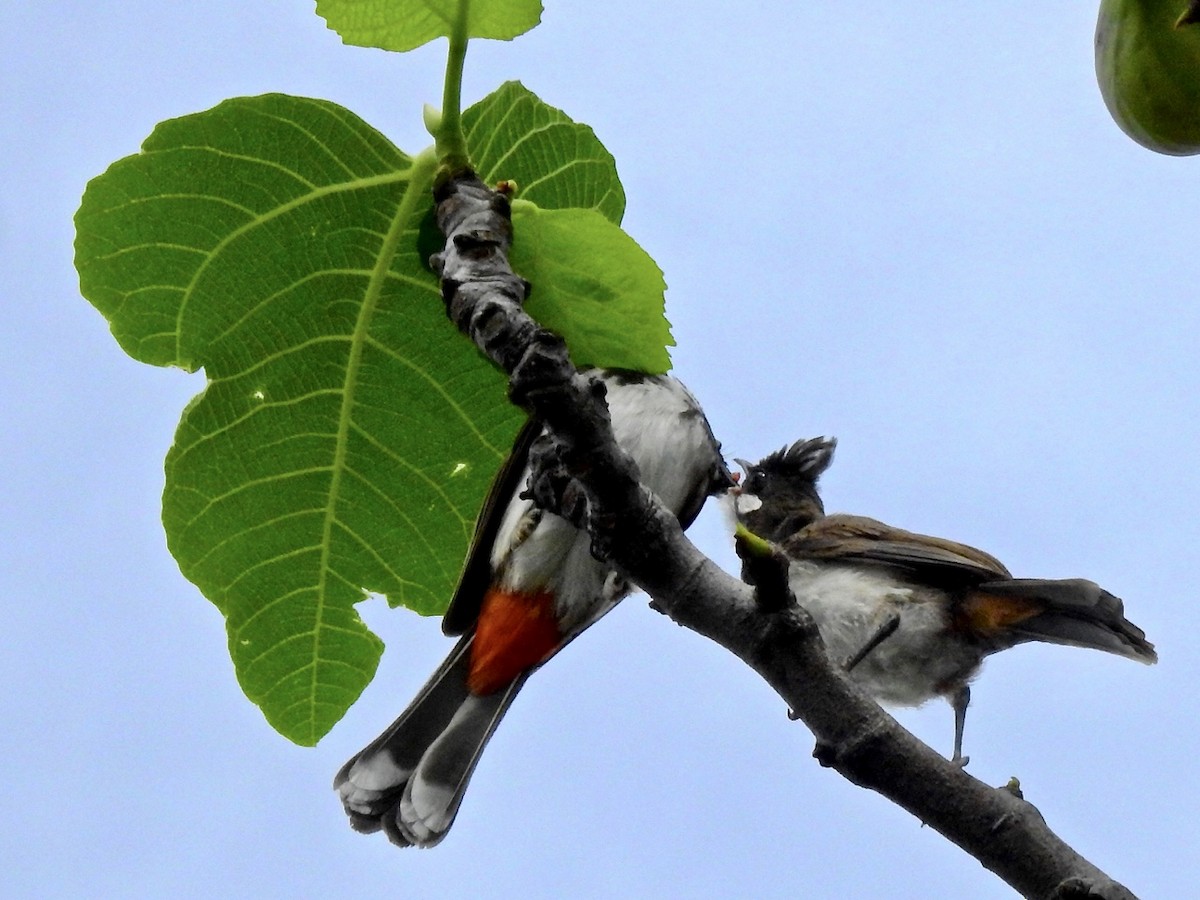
435,791
410,780
1073,611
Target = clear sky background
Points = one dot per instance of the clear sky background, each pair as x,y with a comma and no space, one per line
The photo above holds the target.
911,225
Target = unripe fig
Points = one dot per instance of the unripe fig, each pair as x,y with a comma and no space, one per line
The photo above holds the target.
1148,66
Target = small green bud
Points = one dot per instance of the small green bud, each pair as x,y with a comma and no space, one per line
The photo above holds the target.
433,120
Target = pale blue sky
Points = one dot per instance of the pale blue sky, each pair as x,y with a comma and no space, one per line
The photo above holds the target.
910,225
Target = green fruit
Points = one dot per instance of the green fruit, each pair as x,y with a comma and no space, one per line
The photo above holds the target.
1148,66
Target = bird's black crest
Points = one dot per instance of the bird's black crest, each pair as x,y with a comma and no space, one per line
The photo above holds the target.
808,458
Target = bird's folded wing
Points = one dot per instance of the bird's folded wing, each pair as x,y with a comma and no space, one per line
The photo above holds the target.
856,539
476,575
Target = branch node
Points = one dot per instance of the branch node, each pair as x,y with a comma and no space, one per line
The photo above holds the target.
857,752
543,367
1013,786
500,203
477,244
825,753
1074,888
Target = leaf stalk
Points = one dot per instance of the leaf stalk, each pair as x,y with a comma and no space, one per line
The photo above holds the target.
451,141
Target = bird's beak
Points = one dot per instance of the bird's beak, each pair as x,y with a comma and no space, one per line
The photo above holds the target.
737,476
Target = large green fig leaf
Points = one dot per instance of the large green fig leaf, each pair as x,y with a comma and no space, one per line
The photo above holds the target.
347,434
1148,68
407,24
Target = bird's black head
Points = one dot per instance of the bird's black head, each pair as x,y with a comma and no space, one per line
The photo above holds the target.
779,494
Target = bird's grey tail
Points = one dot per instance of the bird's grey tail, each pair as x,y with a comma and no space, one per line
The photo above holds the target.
1074,611
411,779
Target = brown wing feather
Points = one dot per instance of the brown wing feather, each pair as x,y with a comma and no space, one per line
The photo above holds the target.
843,538
476,575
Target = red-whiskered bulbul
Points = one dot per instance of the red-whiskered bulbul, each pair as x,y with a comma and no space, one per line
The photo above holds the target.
912,616
529,586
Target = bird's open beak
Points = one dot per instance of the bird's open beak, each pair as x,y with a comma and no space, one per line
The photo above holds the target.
737,476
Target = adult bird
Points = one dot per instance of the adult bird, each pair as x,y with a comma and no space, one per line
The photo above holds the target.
530,585
912,616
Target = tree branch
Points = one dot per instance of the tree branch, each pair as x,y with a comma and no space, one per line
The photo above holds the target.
588,479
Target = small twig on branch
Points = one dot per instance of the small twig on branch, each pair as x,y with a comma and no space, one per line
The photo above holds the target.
762,626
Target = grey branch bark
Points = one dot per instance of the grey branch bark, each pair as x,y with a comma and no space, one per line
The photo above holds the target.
587,478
